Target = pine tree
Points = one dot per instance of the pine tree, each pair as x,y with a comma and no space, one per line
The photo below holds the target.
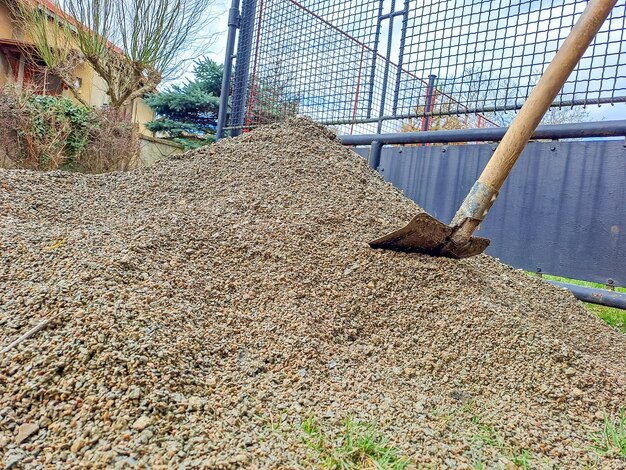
188,113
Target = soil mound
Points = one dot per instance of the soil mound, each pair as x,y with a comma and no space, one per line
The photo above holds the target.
207,305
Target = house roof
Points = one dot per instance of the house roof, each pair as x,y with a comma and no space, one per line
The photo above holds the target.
52,7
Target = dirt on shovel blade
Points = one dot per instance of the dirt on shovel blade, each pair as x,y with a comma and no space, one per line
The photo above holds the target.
212,304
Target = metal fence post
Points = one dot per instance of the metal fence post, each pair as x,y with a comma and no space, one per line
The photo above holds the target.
428,108
405,22
372,80
242,66
233,24
374,156
383,97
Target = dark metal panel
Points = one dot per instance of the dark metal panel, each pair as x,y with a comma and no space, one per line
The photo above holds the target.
562,209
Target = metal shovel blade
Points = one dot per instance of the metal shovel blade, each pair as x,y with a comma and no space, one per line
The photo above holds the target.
425,234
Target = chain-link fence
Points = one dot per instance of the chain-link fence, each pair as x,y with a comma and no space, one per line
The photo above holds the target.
378,66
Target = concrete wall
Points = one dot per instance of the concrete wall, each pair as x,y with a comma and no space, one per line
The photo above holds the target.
6,31
151,150
142,113
98,91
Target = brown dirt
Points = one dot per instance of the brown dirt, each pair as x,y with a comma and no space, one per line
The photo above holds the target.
206,299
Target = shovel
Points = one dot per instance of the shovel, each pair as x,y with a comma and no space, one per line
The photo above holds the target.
425,234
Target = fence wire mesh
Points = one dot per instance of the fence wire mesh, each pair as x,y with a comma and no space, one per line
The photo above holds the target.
398,65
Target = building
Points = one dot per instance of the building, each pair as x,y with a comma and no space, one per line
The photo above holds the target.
14,68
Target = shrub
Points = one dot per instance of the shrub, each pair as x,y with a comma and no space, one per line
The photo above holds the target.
113,143
55,113
48,133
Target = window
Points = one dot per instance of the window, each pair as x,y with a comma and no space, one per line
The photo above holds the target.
30,73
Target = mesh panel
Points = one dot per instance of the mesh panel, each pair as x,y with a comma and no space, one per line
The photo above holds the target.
396,65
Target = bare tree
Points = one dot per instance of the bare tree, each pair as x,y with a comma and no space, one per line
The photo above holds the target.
51,42
271,96
132,44
447,120
477,89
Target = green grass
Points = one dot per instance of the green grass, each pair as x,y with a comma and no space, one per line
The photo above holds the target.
613,316
523,459
487,436
484,439
358,446
611,439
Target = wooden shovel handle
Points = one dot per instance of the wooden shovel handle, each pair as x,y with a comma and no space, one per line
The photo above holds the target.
544,92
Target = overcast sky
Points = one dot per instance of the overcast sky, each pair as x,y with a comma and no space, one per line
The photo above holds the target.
220,25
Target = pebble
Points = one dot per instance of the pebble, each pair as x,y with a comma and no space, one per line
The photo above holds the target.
569,372
142,423
13,457
25,431
134,393
78,444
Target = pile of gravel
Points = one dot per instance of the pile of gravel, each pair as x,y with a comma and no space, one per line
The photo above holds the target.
208,304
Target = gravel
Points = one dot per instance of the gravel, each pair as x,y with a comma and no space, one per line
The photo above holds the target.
209,303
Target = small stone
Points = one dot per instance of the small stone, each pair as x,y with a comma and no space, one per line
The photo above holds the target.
13,457
332,364
570,372
196,402
577,392
78,444
142,423
119,424
25,431
134,393
145,436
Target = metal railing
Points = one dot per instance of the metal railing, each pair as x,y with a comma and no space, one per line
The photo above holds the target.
380,66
